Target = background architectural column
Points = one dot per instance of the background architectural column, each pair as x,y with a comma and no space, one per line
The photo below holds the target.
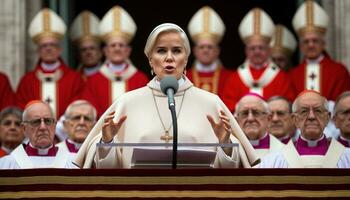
16,54
338,33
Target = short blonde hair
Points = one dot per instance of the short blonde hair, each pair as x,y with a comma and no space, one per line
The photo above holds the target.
166,27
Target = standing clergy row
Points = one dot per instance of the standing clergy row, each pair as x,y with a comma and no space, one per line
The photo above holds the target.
54,82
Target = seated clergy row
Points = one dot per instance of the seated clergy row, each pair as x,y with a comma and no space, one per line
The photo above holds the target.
38,125
142,115
54,82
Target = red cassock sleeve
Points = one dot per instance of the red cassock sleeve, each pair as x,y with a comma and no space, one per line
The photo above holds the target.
7,94
98,89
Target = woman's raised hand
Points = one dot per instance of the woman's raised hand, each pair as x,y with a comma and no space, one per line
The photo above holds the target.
111,128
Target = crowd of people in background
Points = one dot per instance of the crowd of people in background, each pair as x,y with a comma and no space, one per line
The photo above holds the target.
291,116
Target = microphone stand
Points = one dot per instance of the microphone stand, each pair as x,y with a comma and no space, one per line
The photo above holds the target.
173,116
169,86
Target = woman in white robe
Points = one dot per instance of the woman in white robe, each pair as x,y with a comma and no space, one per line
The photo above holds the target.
142,115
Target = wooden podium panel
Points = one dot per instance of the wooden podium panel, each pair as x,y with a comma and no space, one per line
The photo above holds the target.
169,184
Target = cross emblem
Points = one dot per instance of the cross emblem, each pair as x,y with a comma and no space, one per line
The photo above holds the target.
48,100
255,84
312,76
118,78
166,137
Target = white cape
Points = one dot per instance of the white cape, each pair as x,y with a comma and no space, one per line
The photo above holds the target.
143,125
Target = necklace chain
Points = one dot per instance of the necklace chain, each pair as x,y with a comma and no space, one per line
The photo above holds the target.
160,118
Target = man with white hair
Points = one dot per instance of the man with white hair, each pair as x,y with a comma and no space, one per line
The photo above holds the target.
253,117
40,152
312,149
341,117
80,117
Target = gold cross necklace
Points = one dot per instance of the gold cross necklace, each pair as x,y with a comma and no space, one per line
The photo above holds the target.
167,137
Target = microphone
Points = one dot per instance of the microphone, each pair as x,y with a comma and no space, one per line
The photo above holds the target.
169,86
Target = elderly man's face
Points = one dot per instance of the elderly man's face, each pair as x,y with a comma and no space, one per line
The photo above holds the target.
39,125
90,53
79,122
311,45
281,123
10,130
342,117
117,50
280,59
311,116
252,117
206,52
257,51
49,50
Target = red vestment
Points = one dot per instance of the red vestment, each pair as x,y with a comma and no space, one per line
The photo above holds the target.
98,88
334,78
213,82
68,86
235,88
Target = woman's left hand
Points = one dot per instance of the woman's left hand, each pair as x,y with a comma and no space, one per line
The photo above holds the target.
223,128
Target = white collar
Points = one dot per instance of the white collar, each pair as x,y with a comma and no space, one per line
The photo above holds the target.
181,81
266,63
50,66
312,143
257,141
284,137
91,70
116,68
206,68
42,151
76,144
315,61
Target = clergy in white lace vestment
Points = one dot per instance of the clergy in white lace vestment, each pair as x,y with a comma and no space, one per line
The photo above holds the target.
142,115
312,149
40,152
80,117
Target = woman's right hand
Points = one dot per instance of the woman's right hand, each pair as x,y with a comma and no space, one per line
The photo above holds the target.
111,128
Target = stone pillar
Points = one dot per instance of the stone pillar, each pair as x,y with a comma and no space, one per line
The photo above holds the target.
14,19
338,33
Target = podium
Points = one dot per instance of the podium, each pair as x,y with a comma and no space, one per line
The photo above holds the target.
159,155
174,184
